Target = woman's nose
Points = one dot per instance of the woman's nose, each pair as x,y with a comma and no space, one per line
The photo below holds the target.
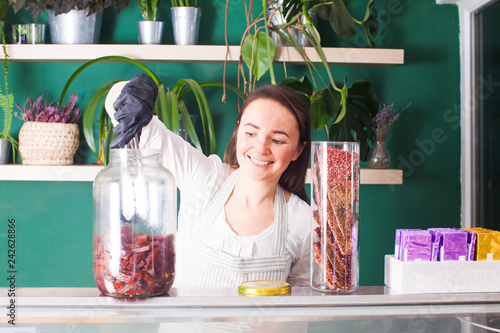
262,145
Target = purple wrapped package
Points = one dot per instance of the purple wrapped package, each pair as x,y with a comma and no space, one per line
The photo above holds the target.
437,240
397,243
453,243
471,245
416,245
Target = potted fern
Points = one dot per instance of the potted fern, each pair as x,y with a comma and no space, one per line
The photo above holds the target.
186,17
7,141
150,31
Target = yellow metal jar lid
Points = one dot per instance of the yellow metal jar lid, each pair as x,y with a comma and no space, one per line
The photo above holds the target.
264,288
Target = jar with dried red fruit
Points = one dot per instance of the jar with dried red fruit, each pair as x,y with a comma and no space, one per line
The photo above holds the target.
335,216
135,220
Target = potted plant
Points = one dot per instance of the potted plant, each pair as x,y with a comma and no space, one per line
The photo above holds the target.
150,31
345,118
168,107
7,141
71,22
4,7
186,17
49,135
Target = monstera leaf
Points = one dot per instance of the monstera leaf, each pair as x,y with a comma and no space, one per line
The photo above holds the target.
356,125
325,110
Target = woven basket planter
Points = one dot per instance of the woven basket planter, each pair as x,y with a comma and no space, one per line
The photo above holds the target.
48,143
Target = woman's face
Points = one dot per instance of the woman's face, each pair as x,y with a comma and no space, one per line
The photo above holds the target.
267,140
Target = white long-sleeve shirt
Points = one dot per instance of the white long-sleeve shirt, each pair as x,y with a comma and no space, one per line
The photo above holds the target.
197,176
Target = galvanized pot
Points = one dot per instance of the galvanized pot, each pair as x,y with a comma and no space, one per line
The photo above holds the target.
5,148
74,27
150,32
186,24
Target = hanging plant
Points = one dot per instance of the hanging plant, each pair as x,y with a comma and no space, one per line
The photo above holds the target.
7,103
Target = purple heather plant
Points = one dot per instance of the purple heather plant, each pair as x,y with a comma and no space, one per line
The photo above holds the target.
36,111
387,115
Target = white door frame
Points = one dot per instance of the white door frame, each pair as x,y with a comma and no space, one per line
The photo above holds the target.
468,100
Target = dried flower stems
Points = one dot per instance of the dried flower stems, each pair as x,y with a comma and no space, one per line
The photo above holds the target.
36,111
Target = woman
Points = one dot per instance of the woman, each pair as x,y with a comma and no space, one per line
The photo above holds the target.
246,218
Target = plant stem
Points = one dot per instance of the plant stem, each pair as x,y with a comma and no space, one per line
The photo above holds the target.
271,70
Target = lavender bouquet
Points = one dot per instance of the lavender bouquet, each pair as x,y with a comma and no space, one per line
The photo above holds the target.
379,157
51,113
387,115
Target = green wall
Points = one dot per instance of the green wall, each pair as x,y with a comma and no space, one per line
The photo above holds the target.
54,219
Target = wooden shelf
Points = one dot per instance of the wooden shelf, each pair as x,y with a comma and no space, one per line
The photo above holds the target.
195,54
374,176
87,173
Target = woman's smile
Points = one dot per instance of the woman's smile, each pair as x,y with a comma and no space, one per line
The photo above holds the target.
259,162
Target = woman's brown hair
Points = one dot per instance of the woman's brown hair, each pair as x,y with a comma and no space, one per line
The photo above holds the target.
293,178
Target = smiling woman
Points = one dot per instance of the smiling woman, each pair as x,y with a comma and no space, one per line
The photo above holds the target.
245,219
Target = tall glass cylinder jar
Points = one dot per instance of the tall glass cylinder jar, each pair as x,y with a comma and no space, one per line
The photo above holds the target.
335,212
135,219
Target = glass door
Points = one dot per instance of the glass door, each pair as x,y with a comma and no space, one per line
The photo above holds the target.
487,129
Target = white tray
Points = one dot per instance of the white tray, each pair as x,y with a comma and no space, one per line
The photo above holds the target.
441,276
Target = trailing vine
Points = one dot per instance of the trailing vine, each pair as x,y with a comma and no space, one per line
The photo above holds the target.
7,102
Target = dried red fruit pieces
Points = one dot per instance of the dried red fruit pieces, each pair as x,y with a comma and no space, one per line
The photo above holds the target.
143,266
335,196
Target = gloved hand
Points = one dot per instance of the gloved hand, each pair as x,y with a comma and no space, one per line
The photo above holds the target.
134,108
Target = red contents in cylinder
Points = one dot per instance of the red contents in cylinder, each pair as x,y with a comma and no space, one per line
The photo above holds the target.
144,266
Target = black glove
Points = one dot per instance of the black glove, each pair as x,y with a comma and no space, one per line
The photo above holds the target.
134,108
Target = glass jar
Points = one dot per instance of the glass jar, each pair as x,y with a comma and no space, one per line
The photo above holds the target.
135,220
335,216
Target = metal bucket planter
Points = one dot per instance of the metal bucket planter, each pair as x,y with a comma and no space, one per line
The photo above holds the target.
5,148
74,27
186,24
150,32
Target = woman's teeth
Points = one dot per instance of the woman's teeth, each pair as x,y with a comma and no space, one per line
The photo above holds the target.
260,162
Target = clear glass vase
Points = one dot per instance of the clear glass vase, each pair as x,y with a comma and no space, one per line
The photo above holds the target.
379,157
135,220
335,212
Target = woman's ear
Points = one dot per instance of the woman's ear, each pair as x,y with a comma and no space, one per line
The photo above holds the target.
299,151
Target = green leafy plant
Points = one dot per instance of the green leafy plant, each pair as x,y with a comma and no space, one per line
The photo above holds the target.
344,111
168,107
7,103
36,7
325,111
184,3
4,7
149,9
336,13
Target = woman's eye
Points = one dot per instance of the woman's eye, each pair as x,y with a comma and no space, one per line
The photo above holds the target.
250,134
278,142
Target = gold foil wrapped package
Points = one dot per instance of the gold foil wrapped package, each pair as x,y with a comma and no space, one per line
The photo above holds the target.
487,244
